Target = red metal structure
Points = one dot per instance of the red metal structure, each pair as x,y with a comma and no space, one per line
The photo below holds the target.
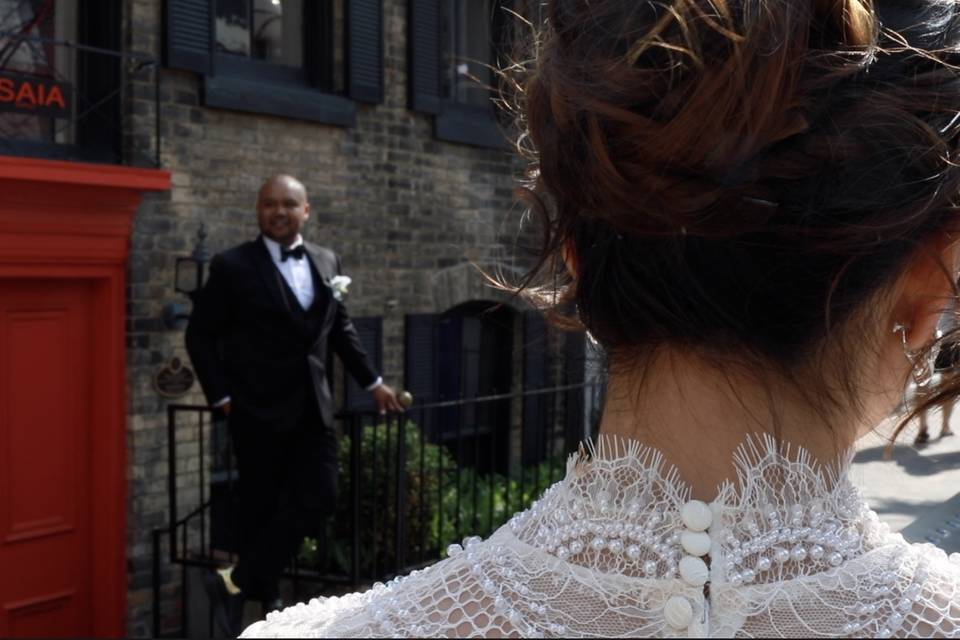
64,241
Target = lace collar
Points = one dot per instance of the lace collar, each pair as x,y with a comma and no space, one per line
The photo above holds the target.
617,549
621,510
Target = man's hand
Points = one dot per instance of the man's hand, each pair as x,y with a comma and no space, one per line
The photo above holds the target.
223,408
386,399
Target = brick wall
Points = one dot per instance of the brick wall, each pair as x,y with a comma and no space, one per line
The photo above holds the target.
407,214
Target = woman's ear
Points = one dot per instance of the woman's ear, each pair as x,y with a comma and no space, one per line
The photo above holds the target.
926,290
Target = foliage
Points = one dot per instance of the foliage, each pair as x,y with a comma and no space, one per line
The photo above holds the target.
441,503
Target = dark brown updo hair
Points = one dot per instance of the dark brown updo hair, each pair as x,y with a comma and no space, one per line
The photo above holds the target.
737,176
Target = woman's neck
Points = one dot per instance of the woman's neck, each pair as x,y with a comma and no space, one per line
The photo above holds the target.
697,416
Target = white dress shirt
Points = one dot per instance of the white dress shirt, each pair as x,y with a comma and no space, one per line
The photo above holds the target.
295,272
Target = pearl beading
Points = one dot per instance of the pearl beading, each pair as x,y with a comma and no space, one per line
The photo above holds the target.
631,541
809,537
865,613
502,603
803,537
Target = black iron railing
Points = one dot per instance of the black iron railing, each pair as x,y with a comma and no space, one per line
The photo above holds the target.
63,100
410,485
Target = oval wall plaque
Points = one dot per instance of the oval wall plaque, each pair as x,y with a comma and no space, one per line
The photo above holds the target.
174,379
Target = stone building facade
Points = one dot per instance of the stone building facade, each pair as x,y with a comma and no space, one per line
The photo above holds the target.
412,217
126,127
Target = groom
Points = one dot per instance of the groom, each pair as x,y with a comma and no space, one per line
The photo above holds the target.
258,337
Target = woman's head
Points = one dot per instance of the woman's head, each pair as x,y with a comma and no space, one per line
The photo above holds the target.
767,181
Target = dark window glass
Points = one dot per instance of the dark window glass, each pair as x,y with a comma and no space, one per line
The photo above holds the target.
268,30
475,35
233,27
467,51
475,359
470,31
27,55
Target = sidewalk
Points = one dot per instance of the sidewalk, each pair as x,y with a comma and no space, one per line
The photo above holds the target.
915,478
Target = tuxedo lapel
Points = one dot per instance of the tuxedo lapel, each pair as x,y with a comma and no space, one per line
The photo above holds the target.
272,280
322,273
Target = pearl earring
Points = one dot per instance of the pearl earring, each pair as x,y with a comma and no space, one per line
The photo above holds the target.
922,371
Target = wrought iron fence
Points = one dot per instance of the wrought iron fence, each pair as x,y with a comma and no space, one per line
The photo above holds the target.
63,100
410,485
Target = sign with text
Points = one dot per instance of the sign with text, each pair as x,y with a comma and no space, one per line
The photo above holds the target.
33,95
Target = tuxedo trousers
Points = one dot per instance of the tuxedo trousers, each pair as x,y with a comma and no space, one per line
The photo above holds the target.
287,489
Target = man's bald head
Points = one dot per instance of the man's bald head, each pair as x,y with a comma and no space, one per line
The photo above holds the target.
282,208
283,179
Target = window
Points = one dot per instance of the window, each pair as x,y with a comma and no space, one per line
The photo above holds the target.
269,30
264,40
29,52
464,353
307,59
474,349
468,51
455,85
60,79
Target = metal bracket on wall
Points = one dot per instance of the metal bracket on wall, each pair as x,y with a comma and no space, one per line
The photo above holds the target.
176,315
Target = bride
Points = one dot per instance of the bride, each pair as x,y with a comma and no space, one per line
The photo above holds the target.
752,204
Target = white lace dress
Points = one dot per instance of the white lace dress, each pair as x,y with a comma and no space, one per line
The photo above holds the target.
618,549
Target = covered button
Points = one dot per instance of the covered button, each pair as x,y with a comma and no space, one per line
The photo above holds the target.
678,612
696,543
693,571
696,515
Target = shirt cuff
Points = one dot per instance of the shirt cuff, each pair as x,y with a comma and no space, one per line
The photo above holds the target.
222,401
376,383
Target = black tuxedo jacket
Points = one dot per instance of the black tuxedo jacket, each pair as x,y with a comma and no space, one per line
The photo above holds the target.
249,338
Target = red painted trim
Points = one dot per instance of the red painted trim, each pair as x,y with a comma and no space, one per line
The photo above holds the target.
83,173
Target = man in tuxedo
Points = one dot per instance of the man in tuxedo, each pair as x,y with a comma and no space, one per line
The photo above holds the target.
258,337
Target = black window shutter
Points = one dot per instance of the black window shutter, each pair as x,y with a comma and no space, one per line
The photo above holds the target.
189,34
370,330
365,50
536,375
99,25
420,367
424,55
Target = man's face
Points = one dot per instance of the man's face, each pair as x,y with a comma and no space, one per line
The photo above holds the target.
282,210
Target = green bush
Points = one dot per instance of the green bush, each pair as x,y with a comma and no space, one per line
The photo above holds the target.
431,502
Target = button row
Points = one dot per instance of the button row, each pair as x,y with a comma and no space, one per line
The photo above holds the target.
678,612
697,518
696,515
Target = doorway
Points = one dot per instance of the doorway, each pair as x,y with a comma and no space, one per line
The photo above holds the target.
47,429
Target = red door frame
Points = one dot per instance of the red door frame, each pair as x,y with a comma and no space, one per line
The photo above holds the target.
68,220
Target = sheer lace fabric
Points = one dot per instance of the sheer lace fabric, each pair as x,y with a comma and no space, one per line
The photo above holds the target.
793,551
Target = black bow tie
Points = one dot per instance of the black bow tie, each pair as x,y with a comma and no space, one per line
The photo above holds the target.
296,253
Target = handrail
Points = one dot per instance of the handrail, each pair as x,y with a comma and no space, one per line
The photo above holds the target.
432,405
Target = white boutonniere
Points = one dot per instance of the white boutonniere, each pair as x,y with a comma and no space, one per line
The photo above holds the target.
339,285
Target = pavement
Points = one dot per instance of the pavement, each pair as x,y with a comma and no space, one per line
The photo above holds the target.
915,479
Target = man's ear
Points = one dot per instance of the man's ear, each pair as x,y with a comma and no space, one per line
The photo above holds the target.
926,290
